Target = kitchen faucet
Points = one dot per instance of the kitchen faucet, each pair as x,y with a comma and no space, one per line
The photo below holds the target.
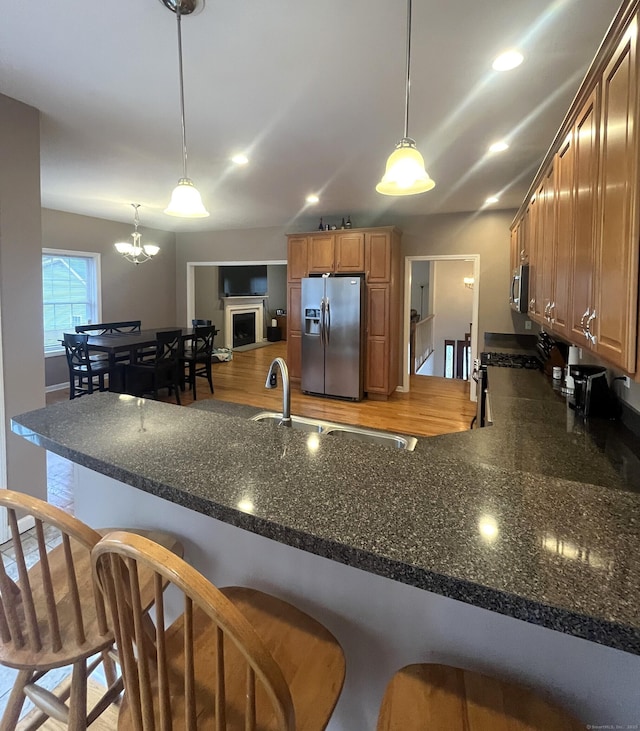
271,382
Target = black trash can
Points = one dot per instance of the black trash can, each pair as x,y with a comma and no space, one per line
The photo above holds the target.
274,334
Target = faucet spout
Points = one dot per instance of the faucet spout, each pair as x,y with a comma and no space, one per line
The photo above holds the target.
286,390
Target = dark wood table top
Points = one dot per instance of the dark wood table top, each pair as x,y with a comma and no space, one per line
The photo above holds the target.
116,342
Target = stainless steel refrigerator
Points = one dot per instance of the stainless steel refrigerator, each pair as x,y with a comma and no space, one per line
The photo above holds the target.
332,336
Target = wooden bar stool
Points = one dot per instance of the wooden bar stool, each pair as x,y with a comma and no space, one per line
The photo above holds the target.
444,698
234,659
50,616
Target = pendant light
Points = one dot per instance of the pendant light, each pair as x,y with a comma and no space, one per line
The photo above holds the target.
405,173
185,199
136,252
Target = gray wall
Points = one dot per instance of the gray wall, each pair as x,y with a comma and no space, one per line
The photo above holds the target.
452,306
144,292
22,366
486,234
421,276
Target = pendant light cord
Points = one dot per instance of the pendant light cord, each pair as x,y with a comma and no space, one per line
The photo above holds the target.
406,105
184,128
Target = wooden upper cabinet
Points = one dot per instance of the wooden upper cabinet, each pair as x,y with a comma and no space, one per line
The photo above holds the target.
296,258
565,192
547,246
514,247
350,252
585,142
378,257
613,319
321,253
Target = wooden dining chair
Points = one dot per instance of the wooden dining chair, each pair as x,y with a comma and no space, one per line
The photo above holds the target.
442,697
200,323
86,373
163,371
197,359
51,617
235,658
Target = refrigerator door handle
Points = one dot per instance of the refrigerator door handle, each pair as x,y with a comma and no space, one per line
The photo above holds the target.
328,322
322,333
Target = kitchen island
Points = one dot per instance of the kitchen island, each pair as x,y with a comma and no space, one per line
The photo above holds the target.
432,555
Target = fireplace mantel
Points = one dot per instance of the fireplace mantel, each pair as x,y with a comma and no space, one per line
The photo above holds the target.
241,305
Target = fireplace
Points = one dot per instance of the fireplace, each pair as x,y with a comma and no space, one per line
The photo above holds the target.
243,321
244,328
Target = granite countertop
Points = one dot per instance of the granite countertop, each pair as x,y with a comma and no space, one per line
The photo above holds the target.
531,518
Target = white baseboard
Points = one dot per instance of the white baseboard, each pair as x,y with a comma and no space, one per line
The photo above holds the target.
56,387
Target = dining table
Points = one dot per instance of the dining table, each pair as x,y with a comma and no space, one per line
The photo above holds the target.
116,345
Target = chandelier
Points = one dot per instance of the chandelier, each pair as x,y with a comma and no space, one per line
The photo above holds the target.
135,252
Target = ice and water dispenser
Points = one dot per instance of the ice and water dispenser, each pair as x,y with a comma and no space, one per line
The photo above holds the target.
312,321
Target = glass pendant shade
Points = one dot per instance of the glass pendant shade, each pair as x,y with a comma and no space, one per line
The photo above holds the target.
186,201
405,173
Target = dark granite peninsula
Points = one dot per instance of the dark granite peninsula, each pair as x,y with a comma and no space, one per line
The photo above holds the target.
432,555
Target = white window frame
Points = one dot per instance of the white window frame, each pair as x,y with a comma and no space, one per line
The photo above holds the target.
98,286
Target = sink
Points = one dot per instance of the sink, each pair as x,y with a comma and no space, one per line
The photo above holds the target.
297,422
343,431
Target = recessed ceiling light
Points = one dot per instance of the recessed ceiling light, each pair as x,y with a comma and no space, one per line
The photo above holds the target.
508,60
313,198
500,146
240,159
492,199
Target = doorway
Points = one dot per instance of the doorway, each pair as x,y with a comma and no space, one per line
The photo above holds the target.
204,297
435,286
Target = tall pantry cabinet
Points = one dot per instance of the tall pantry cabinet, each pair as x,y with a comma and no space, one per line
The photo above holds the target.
585,204
374,252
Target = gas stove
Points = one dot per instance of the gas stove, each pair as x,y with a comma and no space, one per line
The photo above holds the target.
511,360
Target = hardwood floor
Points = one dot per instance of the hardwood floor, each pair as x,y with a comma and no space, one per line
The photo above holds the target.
433,405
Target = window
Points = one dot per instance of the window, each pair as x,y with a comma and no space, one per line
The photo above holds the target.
70,293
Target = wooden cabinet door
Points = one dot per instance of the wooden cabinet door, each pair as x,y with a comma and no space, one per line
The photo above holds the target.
296,258
514,246
613,319
546,247
294,356
350,252
565,176
321,253
378,340
377,369
584,218
294,330
294,307
534,238
378,257
377,311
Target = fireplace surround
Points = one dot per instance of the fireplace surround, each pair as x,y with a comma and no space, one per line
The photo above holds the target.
243,306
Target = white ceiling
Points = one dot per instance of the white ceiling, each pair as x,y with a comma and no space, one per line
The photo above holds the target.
312,91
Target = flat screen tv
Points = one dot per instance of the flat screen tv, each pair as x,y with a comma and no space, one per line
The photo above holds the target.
243,281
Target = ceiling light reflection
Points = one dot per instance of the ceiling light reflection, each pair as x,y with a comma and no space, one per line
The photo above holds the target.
312,198
488,527
240,159
492,199
246,506
313,442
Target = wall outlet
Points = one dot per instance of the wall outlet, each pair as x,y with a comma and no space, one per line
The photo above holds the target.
626,381
527,325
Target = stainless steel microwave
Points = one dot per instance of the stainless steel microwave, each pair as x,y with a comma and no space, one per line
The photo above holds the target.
519,292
